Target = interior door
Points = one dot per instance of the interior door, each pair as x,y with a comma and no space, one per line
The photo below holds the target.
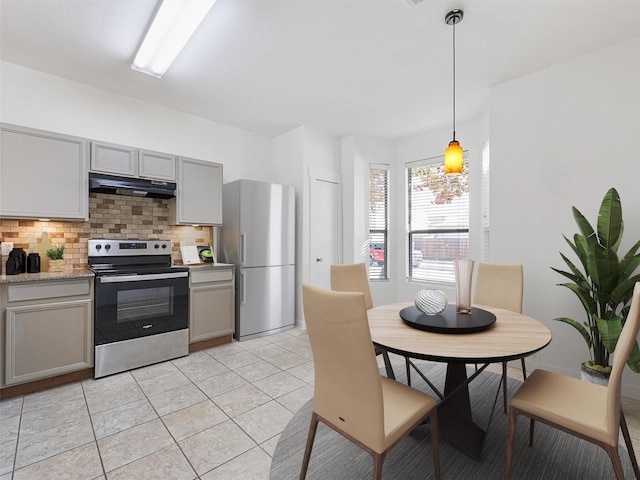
325,230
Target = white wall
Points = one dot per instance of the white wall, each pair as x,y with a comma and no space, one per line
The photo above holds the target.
357,154
562,137
296,154
288,168
40,100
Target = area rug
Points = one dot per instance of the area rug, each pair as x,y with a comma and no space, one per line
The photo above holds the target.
554,456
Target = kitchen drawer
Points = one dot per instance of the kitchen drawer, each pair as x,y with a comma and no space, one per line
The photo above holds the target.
42,290
207,276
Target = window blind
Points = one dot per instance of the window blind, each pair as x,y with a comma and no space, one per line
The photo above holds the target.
378,221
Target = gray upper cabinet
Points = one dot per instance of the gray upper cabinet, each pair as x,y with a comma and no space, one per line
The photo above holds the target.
131,162
199,197
113,159
43,175
154,165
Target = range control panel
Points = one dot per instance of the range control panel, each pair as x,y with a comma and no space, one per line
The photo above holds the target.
118,247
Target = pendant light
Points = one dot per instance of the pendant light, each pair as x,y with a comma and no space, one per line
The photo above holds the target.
453,153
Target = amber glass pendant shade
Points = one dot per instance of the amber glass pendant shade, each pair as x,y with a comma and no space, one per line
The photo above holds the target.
453,158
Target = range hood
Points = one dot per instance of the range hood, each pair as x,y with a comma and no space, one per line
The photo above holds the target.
134,187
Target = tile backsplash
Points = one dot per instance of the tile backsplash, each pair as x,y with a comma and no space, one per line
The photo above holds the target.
110,216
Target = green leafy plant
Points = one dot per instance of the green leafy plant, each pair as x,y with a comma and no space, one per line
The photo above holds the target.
605,283
56,253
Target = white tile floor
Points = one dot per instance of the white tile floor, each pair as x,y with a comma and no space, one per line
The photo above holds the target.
214,415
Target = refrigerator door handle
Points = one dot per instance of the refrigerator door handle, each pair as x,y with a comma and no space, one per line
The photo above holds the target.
243,249
243,287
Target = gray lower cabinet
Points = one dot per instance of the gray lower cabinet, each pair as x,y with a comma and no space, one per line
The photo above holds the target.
43,175
199,196
48,329
212,303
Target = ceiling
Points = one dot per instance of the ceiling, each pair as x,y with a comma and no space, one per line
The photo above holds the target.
379,68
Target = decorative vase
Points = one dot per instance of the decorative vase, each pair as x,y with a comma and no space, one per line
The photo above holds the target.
594,376
463,273
431,302
56,265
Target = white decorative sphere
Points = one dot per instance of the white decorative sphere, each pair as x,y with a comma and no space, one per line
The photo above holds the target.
431,302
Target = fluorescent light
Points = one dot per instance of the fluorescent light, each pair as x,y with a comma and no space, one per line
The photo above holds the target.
173,25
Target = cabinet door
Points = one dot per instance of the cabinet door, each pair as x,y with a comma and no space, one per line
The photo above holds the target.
199,197
113,159
154,165
212,311
43,175
48,339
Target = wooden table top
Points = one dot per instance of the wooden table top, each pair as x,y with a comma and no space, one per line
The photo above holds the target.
512,336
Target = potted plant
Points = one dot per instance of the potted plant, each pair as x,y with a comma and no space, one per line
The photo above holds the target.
603,283
56,259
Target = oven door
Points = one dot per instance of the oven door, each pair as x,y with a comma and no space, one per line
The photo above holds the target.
134,306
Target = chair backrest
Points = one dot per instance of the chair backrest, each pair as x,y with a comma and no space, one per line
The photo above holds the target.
352,278
348,387
625,345
499,286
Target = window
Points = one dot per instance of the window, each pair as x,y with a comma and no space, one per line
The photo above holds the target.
438,220
378,221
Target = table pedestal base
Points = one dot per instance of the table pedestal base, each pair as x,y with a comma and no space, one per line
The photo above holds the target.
454,413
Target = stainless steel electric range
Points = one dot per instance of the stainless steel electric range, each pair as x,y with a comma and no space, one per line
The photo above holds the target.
141,304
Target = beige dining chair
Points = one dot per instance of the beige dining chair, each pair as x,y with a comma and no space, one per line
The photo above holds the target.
354,278
350,396
588,411
501,286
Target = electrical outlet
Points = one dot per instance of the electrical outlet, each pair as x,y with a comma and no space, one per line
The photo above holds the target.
6,248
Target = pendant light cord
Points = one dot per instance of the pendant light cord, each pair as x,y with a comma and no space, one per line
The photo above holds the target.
454,80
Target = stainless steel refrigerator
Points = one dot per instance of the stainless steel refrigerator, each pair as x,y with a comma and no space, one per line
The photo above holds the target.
258,236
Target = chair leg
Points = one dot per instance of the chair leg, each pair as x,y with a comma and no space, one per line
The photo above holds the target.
524,369
513,413
313,426
378,461
433,423
531,426
408,367
627,441
615,461
504,386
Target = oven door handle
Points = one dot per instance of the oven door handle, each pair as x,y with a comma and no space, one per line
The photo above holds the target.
140,278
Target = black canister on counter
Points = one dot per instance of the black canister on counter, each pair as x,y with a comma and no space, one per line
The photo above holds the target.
17,262
33,263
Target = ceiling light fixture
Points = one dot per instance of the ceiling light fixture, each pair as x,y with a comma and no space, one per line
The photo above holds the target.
173,25
453,153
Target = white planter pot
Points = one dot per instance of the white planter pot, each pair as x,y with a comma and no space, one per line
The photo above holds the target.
594,376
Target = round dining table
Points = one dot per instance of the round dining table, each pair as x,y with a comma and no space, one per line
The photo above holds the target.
512,336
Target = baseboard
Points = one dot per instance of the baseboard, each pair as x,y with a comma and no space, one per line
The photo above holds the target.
37,385
212,342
